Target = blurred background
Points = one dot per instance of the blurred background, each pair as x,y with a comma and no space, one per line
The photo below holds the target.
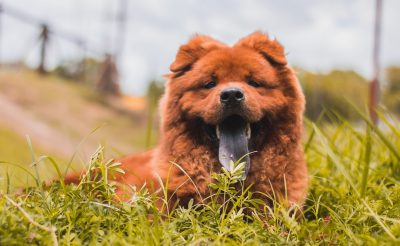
78,73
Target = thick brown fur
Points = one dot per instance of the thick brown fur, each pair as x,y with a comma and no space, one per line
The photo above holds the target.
275,108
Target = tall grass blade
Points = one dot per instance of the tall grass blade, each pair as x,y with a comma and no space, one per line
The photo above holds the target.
367,160
79,146
33,156
378,132
150,119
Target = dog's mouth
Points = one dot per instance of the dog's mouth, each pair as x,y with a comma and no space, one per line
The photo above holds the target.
233,135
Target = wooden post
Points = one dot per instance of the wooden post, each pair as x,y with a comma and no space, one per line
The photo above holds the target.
374,84
1,15
44,36
121,18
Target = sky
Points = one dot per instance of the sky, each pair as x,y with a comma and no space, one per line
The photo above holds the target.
318,35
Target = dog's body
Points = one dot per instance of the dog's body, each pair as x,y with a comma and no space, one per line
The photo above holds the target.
222,102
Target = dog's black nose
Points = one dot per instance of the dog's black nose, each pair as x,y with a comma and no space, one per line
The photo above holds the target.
231,95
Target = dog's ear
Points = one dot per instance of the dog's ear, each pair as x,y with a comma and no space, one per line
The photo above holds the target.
272,50
198,46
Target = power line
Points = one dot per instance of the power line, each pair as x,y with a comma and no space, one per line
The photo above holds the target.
22,16
31,20
108,81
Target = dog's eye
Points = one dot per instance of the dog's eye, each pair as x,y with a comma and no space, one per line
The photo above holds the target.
254,83
210,84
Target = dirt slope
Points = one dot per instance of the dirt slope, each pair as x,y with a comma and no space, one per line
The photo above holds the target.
57,115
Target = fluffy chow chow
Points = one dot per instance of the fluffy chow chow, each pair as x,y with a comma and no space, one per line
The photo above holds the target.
222,102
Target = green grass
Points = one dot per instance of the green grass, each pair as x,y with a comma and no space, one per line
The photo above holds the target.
16,155
12,147
354,198
57,114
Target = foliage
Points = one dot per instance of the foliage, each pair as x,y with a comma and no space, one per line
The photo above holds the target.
393,78
353,199
391,94
155,91
84,70
331,91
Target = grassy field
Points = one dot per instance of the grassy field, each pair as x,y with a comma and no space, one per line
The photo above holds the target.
60,117
354,198
67,111
354,195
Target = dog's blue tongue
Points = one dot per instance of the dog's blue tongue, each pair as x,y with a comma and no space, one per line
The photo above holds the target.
233,143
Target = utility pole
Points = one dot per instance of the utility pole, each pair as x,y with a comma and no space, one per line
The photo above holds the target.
121,18
108,82
44,37
374,85
1,15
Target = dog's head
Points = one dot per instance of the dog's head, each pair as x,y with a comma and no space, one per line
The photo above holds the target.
236,92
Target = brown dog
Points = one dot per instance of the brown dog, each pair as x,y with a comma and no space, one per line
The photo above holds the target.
220,103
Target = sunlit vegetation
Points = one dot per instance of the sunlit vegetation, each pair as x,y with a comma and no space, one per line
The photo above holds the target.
353,199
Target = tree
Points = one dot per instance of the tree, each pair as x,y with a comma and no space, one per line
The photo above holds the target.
393,79
391,95
332,91
84,70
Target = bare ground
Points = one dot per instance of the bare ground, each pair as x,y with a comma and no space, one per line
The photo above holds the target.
57,115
